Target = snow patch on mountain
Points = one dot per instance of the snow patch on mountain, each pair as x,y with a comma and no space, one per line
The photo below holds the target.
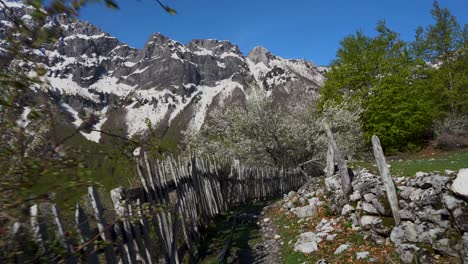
206,96
96,135
69,87
23,121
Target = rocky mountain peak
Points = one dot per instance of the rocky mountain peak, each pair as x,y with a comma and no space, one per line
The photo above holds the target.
260,54
159,45
212,46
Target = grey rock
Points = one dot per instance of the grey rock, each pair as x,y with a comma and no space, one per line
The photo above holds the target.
368,221
460,184
406,252
405,192
362,255
326,225
405,232
421,174
307,243
347,209
291,194
461,218
409,232
322,261
342,248
451,202
354,217
369,208
446,247
368,197
430,196
407,214
355,196
304,211
449,172
465,247
315,201
426,181
380,207
439,217
416,195
260,54
333,183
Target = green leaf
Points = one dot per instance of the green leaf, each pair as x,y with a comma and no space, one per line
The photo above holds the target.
111,4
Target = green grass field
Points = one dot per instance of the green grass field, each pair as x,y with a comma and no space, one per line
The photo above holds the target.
408,166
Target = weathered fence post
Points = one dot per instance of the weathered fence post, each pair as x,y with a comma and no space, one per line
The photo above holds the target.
345,180
69,257
330,160
198,191
102,225
39,231
83,227
387,178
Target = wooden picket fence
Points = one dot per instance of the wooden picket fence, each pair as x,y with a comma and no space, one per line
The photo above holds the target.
161,222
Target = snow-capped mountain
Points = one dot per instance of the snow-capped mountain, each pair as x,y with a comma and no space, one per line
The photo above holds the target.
174,86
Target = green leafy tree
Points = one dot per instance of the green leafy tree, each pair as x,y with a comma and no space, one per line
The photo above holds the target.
443,44
391,85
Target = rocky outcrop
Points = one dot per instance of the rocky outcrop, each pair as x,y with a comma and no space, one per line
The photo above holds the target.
433,214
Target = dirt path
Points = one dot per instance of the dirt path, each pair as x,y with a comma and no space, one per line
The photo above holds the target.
254,239
268,249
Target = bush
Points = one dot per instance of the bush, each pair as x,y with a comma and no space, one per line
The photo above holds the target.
263,133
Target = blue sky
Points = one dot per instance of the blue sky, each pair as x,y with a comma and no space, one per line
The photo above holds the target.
309,29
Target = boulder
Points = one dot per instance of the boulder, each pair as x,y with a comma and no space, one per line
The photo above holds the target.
460,184
369,208
355,196
347,209
451,202
368,197
307,243
304,211
367,221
